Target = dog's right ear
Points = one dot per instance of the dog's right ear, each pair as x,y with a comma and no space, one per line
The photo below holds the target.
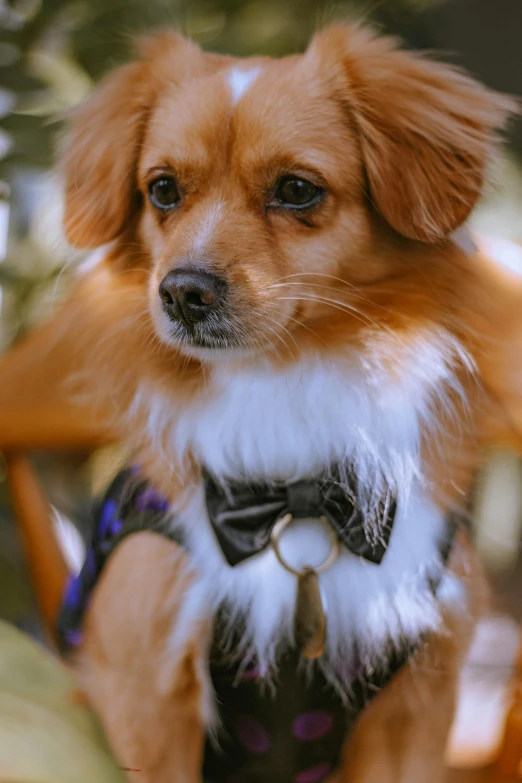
99,159
101,150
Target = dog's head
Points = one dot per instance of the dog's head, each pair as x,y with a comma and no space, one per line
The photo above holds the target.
265,198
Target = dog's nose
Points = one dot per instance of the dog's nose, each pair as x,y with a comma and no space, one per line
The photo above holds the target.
191,295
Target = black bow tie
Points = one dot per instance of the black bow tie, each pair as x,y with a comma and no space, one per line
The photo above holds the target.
243,515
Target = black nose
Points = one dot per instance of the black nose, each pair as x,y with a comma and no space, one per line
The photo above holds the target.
189,295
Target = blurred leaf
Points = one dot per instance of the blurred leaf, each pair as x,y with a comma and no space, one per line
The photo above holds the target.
65,79
47,732
8,276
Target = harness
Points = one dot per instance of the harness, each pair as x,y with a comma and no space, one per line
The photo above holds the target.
291,729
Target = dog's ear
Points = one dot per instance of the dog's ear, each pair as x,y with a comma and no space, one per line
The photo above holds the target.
101,149
99,158
426,129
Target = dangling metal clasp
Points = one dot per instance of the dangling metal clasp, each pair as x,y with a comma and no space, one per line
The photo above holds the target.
310,615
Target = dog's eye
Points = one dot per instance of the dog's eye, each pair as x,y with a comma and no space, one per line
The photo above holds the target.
296,192
164,193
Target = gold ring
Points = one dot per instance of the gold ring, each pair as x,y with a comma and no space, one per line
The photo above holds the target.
281,525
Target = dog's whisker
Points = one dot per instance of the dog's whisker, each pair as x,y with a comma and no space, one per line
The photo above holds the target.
336,305
304,326
382,327
359,295
279,337
280,326
317,274
337,290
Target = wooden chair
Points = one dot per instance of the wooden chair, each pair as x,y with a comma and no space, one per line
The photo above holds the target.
509,763
34,415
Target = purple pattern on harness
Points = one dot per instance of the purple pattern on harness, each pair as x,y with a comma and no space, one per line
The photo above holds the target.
90,564
73,591
252,734
314,774
116,527
251,673
108,512
73,638
150,499
312,725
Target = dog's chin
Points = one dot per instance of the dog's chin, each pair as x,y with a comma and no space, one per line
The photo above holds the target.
215,354
211,343
221,339
207,344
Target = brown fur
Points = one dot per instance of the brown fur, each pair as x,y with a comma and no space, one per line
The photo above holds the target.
401,145
147,695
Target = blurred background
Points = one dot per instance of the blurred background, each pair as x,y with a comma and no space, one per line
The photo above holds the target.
51,53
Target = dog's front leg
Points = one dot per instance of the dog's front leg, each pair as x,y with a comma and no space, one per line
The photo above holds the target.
146,689
401,736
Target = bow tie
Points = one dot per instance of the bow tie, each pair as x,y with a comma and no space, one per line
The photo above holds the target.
243,515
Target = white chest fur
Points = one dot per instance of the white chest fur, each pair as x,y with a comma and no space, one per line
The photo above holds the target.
368,410
368,605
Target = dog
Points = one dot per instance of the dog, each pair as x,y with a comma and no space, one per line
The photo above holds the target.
307,360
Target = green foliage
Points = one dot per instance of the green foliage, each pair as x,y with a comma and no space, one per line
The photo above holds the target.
47,733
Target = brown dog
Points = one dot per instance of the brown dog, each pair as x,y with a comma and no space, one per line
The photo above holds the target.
284,321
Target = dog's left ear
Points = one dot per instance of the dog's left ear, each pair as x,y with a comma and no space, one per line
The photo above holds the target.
100,151
426,129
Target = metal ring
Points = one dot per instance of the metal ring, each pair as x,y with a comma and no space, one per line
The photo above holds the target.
278,529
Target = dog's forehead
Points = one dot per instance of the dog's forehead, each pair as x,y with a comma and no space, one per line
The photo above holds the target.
255,105
240,78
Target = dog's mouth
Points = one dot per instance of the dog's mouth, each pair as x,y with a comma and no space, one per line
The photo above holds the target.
212,333
228,335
